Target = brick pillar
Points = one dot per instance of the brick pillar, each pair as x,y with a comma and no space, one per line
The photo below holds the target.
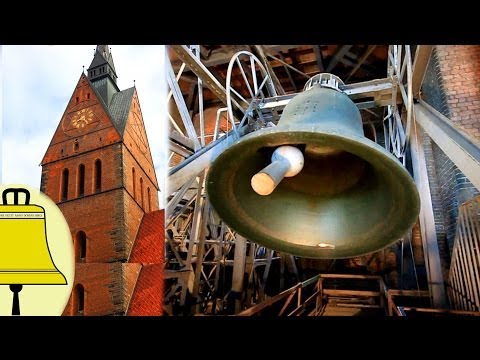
452,87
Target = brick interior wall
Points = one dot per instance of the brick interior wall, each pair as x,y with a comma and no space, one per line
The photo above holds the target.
451,86
459,67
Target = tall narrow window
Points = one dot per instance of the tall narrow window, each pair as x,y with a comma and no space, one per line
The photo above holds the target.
81,247
81,180
64,195
133,182
148,199
79,300
88,96
76,100
98,176
141,192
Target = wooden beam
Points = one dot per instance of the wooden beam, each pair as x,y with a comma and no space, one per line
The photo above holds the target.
360,62
204,53
414,293
342,50
441,311
177,149
280,55
319,57
221,57
257,308
348,276
335,292
420,63
288,65
191,100
263,58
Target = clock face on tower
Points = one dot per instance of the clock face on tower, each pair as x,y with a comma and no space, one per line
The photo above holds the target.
82,118
79,120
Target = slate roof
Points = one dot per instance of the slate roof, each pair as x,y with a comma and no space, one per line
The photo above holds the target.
119,108
100,59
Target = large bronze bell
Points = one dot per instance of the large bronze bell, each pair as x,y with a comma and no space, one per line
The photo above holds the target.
351,197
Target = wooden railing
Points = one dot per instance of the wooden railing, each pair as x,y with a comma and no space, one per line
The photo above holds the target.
314,303
288,295
464,278
394,309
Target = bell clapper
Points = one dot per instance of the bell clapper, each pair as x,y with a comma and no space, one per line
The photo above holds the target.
16,288
287,161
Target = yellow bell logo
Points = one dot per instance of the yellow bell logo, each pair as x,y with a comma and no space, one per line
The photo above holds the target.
25,256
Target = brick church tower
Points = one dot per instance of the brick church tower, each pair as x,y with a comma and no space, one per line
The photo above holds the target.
99,170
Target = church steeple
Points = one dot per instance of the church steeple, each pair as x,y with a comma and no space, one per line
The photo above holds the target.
102,74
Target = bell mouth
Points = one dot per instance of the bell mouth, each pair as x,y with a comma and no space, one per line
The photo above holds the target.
351,198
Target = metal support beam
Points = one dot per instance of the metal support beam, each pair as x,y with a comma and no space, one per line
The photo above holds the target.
194,233
199,161
380,89
210,81
182,106
457,145
420,63
186,55
263,58
200,253
239,270
427,221
368,88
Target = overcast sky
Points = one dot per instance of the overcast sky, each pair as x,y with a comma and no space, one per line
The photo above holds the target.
38,82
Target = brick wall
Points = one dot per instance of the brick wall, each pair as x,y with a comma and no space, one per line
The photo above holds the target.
459,66
130,162
110,157
451,86
103,289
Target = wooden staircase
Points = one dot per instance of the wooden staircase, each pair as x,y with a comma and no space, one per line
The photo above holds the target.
351,295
